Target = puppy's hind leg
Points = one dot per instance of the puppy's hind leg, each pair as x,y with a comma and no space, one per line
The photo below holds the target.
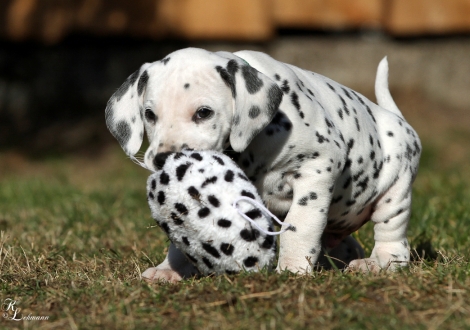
174,268
391,216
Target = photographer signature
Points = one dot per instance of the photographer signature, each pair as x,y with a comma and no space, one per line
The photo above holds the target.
12,312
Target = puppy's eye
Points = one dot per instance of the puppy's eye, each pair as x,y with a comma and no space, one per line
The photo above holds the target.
203,113
150,116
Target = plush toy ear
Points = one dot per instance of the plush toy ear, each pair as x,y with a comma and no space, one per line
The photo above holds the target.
124,113
256,96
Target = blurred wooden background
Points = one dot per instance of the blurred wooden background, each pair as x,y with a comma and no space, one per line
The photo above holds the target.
251,20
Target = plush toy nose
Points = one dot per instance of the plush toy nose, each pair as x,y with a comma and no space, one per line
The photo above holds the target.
160,159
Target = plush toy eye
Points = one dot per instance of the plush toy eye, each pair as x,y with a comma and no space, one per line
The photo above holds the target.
203,113
150,116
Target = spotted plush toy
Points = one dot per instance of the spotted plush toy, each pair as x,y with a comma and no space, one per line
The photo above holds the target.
212,212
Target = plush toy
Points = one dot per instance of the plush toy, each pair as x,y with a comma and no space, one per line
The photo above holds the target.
212,212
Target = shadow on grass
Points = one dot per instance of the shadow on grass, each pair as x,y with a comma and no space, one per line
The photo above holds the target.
424,249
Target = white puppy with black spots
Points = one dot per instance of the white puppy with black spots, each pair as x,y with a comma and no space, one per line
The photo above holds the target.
322,156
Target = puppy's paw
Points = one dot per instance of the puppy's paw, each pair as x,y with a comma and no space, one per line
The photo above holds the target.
366,265
153,275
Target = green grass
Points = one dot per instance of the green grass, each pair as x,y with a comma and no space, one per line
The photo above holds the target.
77,234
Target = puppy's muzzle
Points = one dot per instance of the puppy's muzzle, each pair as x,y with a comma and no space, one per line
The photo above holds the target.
160,159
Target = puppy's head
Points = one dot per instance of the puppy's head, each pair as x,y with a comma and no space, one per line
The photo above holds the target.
192,99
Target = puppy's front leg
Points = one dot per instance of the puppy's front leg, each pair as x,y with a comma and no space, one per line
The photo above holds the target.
300,247
173,269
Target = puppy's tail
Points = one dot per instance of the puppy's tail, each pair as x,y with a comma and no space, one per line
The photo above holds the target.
382,93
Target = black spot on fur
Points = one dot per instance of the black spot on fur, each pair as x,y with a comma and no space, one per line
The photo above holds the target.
350,144
176,219
227,75
274,98
165,227
321,138
213,200
249,235
295,100
254,112
268,242
196,156
161,197
193,192
253,214
211,250
151,195
370,113
153,184
346,92
164,178
226,248
224,223
143,80
122,132
207,262
247,194
357,124
232,67
363,183
186,86
347,165
285,87
219,160
250,261
303,201
165,60
340,113
229,176
160,159
204,212
242,176
377,169
252,82
209,181
185,240
181,208
181,171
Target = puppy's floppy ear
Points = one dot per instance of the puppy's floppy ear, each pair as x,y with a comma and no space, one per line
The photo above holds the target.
124,111
256,96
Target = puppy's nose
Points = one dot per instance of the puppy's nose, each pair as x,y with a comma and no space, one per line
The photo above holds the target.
160,159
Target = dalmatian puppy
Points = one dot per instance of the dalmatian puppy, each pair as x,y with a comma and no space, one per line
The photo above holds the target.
213,214
321,155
